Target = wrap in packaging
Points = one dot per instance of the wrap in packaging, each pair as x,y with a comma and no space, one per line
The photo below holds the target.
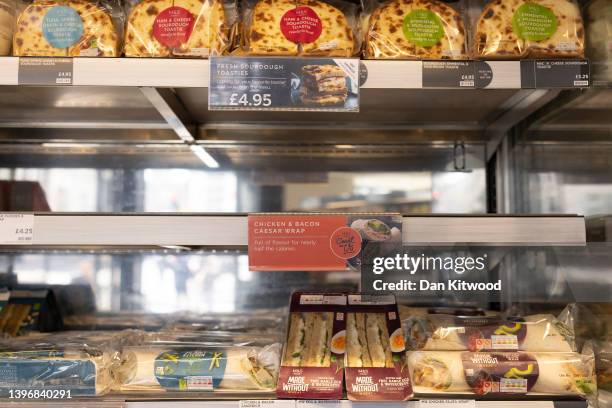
414,29
70,28
529,29
82,371
487,333
300,27
183,367
503,373
179,28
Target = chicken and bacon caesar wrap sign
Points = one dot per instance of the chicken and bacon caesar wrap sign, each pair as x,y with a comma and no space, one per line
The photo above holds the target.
318,242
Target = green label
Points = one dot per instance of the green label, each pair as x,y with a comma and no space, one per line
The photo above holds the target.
533,22
423,28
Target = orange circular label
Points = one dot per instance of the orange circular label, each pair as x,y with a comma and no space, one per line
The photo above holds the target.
345,243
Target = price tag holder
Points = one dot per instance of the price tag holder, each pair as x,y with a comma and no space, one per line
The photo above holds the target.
284,84
448,74
447,403
45,71
555,74
16,229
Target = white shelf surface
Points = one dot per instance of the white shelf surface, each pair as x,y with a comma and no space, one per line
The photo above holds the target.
231,230
193,73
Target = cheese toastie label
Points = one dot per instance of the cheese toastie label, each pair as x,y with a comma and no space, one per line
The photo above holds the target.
375,362
313,358
301,25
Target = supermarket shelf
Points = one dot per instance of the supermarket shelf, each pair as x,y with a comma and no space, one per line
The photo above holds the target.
193,73
217,230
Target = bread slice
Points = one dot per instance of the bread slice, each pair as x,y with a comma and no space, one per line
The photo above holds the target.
264,34
99,35
386,39
495,36
336,39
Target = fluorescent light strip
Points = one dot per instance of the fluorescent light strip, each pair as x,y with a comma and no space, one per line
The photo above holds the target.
203,155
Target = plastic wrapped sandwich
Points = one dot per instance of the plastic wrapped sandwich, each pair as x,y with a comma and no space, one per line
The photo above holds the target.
529,29
194,363
508,373
414,29
179,28
301,27
71,28
491,333
55,367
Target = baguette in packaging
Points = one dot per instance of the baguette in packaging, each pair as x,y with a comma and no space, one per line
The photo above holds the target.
312,364
375,352
502,373
529,29
300,27
68,28
489,333
415,29
179,28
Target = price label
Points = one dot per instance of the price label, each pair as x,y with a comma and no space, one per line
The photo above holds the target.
448,74
266,404
271,83
555,74
45,71
447,403
16,229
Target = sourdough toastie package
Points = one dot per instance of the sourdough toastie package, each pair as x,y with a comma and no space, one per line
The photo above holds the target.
312,364
375,361
300,27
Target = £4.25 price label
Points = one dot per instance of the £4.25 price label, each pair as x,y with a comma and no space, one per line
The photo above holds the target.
16,229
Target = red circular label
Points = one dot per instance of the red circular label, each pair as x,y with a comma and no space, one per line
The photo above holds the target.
301,25
173,26
345,242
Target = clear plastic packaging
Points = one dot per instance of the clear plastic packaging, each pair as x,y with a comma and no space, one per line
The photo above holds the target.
55,368
512,29
71,28
179,28
487,333
7,23
414,29
300,27
183,367
495,373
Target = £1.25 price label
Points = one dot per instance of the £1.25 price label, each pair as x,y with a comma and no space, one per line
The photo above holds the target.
284,84
16,229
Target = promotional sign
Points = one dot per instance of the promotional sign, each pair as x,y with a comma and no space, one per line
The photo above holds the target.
45,71
318,242
271,83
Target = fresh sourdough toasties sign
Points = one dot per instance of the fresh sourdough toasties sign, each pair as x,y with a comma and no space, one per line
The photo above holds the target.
318,242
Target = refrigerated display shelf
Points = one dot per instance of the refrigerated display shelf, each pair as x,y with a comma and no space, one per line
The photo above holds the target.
194,73
218,230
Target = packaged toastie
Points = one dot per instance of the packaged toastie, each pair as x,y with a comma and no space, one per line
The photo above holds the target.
179,28
70,28
414,29
327,28
312,363
529,29
540,332
7,23
503,373
375,350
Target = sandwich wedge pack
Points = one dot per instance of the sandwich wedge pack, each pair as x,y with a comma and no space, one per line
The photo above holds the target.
375,361
313,358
